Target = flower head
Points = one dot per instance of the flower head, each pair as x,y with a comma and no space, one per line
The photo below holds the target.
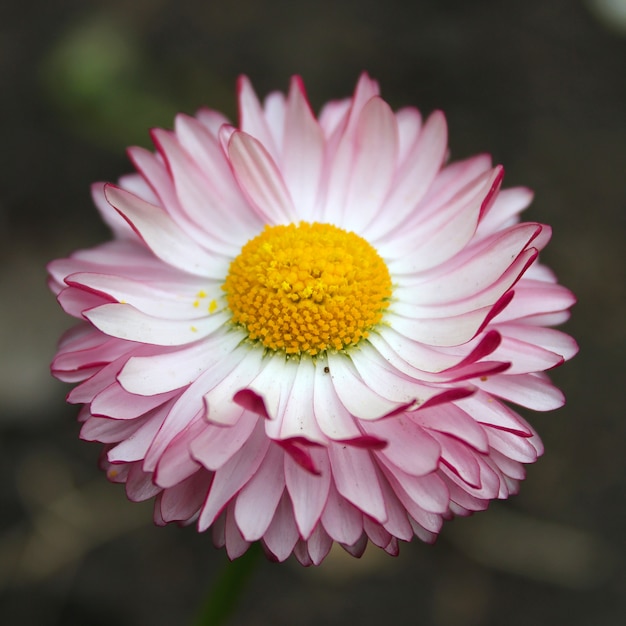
308,330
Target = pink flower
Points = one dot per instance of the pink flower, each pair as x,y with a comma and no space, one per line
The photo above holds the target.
308,330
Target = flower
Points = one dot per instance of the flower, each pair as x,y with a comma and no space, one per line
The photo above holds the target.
308,330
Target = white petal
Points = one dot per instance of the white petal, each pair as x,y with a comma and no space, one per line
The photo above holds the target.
135,447
172,370
414,177
222,409
303,152
126,322
358,398
223,231
260,179
164,237
308,491
297,417
252,117
331,415
147,298
373,166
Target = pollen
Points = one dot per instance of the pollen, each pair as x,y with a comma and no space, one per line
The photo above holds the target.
307,288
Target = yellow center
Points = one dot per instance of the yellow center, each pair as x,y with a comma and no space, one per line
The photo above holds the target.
307,288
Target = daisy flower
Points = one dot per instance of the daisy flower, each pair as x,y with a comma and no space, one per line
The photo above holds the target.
309,330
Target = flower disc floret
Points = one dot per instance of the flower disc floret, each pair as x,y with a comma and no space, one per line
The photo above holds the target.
307,288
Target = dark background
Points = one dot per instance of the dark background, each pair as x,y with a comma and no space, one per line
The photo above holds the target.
540,84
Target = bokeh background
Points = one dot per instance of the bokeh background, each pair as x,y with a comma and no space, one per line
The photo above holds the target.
540,84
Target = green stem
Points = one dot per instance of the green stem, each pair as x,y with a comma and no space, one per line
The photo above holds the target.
227,589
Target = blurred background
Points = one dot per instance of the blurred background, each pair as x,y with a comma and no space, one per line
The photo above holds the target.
540,84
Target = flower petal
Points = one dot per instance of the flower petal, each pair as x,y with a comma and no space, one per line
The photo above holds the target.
233,475
260,179
257,501
164,237
356,480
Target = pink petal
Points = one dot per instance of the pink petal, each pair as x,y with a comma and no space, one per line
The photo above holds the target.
252,118
409,446
376,533
527,390
173,370
303,152
139,485
180,502
308,492
318,545
211,120
488,481
341,520
76,301
126,322
505,210
397,349
282,534
164,237
432,521
356,479
233,475
526,358
86,391
357,548
274,367
176,464
216,445
512,446
428,492
331,415
149,299
195,190
116,402
450,419
135,447
206,151
397,520
107,430
447,331
111,217
297,415
486,411
534,297
274,111
409,122
550,339
461,459
358,398
257,501
414,177
260,179
234,541
475,269
373,165
221,401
